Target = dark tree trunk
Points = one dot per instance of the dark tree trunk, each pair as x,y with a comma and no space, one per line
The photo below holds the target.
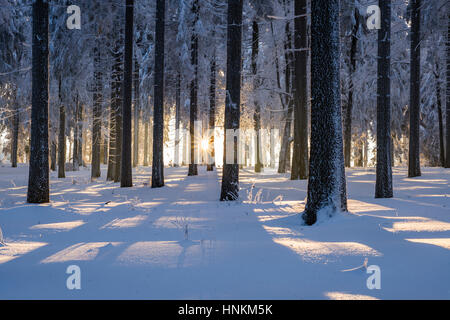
136,114
447,111
80,136
62,143
158,115
300,157
53,155
126,179
326,184
414,113
257,114
285,152
212,113
230,174
177,120
349,107
193,171
75,160
440,117
15,137
96,116
38,179
383,186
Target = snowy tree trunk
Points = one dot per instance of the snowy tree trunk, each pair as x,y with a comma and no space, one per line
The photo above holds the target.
414,113
212,110
383,186
118,76
62,143
15,136
257,114
230,174
75,159
126,179
80,136
38,179
193,171
440,118
300,157
447,116
96,116
112,137
349,107
136,114
146,143
158,116
285,152
326,184
177,120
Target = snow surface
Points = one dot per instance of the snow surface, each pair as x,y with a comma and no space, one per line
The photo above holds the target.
180,242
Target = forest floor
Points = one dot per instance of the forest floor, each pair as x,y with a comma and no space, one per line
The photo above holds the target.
180,242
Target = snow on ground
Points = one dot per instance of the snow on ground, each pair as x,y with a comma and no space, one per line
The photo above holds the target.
180,242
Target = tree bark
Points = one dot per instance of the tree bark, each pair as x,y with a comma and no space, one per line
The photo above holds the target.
75,160
136,114
300,157
414,114
177,120
158,115
383,185
326,183
38,179
230,174
349,107
62,143
96,116
193,171
285,152
212,112
256,83
447,111
126,179
15,136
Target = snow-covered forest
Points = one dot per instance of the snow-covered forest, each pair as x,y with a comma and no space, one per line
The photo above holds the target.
204,149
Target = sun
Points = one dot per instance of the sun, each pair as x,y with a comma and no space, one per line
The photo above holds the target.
205,144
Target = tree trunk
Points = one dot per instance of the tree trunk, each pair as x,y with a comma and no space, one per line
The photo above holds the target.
146,143
256,84
158,115
75,160
112,135
230,174
383,185
349,107
326,184
15,137
136,114
126,179
414,113
80,138
177,120
38,179
300,157
193,171
53,156
118,99
285,152
96,116
62,143
440,118
447,111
